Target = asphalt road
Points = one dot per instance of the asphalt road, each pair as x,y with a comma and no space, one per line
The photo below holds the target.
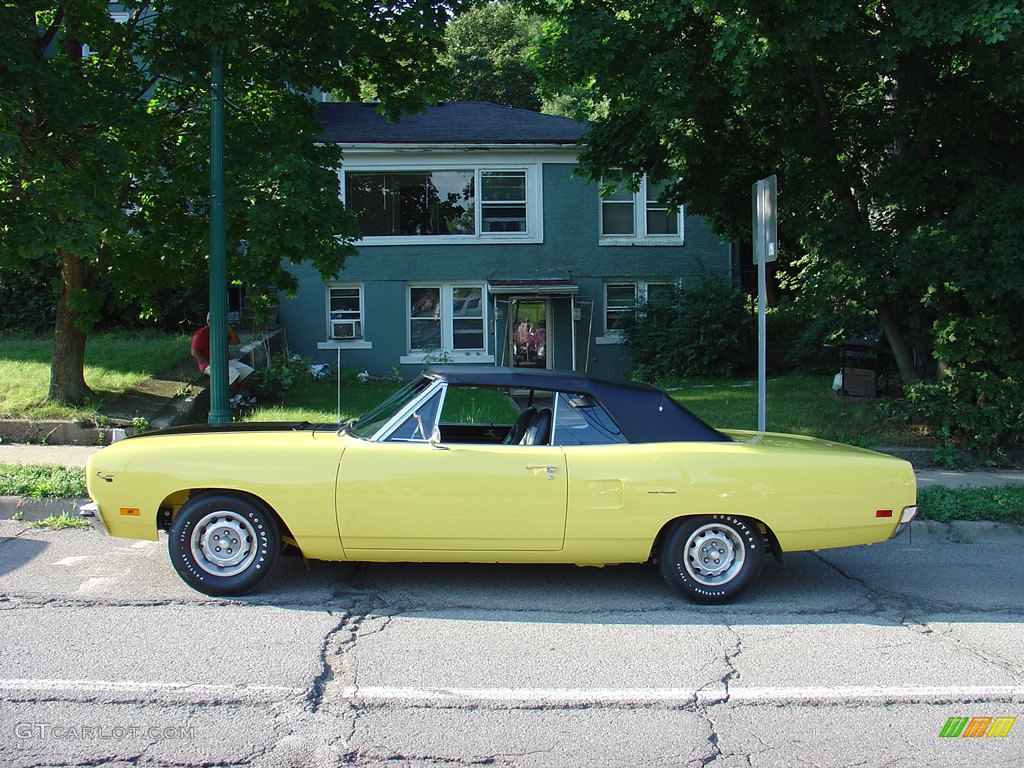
840,658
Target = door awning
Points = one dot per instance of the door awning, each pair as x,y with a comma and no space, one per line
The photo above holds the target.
552,287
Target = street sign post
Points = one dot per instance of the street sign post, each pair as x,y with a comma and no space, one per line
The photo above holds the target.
765,250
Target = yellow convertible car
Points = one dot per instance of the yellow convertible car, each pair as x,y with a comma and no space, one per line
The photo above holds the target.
498,465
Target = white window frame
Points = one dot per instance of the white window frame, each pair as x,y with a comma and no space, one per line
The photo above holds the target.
639,236
640,289
534,201
447,349
357,343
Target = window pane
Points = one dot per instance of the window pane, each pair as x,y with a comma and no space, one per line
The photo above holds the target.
617,218
425,302
366,196
468,334
659,290
503,218
503,186
420,423
467,318
425,334
411,202
622,194
621,295
424,318
619,299
466,302
344,303
662,222
654,191
579,420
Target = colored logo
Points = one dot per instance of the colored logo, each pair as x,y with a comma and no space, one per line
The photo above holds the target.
975,727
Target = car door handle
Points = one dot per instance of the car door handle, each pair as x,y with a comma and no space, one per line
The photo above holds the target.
545,467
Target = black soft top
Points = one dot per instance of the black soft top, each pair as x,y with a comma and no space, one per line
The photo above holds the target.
644,413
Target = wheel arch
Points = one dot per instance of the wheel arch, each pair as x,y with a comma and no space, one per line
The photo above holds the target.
771,541
173,503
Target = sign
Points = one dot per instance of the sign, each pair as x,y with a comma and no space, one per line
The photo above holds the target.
765,250
766,236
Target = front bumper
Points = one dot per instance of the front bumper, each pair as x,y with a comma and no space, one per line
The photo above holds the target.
91,512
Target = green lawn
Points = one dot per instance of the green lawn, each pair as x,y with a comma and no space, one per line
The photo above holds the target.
316,401
801,404
113,363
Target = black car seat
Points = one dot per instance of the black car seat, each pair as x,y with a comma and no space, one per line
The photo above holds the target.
539,431
515,435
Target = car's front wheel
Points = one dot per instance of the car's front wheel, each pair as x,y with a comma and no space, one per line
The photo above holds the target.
712,558
224,543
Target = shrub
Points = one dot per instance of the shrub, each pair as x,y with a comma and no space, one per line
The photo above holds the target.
685,331
978,402
271,382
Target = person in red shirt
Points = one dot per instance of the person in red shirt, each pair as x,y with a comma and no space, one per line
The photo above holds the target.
239,374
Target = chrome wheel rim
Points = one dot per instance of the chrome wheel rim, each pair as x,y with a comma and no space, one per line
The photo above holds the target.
714,554
224,543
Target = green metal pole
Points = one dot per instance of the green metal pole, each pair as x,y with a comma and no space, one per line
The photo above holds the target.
220,413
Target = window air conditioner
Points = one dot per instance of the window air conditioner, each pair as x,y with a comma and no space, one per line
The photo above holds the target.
346,329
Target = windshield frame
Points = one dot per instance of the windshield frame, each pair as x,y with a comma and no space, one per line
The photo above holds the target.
377,420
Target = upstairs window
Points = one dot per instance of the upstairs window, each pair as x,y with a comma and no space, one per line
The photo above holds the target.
503,208
450,205
633,217
417,203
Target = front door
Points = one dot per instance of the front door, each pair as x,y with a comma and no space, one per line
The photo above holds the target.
528,335
411,496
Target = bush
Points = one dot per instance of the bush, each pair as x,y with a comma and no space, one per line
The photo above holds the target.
1004,504
978,402
28,302
973,410
270,383
688,331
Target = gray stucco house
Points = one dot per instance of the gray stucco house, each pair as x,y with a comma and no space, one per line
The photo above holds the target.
480,246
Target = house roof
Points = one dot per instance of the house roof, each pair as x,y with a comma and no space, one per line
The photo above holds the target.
455,122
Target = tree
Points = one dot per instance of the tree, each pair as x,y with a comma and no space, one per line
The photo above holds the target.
104,132
487,55
895,131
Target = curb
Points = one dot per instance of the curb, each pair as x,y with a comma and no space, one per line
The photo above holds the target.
963,532
34,510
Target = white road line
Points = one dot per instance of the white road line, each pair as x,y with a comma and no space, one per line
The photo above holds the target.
382,695
80,688
688,696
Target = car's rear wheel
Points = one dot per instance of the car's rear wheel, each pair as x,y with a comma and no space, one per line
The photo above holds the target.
224,543
712,558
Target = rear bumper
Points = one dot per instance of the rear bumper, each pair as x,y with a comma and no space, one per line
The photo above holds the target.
91,512
908,514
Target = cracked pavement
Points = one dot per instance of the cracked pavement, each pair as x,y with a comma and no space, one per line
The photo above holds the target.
842,657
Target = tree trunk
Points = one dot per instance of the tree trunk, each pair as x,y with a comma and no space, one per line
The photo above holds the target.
67,363
901,351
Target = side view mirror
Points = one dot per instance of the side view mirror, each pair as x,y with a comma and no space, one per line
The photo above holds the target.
435,439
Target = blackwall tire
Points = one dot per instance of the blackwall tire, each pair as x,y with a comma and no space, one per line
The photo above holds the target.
712,558
224,544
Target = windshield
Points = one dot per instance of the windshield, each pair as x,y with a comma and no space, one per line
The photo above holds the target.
369,423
